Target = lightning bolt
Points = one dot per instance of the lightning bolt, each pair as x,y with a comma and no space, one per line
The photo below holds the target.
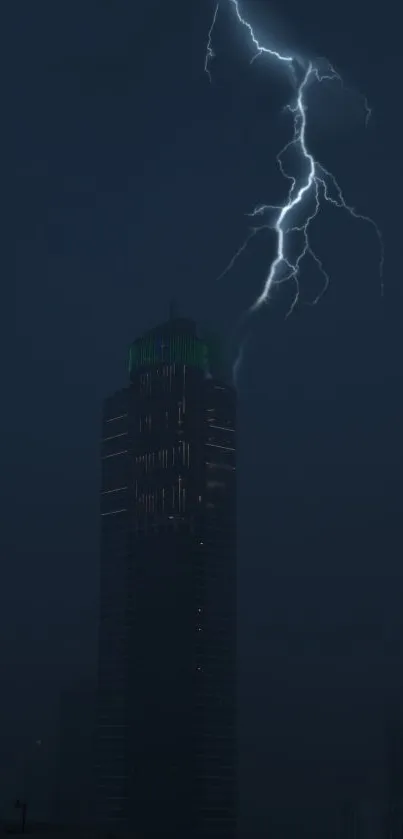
210,54
306,193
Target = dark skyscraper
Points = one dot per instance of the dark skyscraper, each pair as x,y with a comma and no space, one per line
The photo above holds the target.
166,734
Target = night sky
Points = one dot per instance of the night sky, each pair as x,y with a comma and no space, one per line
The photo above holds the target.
127,181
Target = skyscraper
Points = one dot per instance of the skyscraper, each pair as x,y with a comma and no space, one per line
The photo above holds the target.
166,720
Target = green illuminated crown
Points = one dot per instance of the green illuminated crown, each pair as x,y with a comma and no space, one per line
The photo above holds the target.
175,342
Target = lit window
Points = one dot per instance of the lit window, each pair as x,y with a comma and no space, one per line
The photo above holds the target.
110,491
115,454
115,512
112,419
114,436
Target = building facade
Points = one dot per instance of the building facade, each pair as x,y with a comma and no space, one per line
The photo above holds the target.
166,756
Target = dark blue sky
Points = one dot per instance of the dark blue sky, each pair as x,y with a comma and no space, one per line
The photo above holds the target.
128,177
